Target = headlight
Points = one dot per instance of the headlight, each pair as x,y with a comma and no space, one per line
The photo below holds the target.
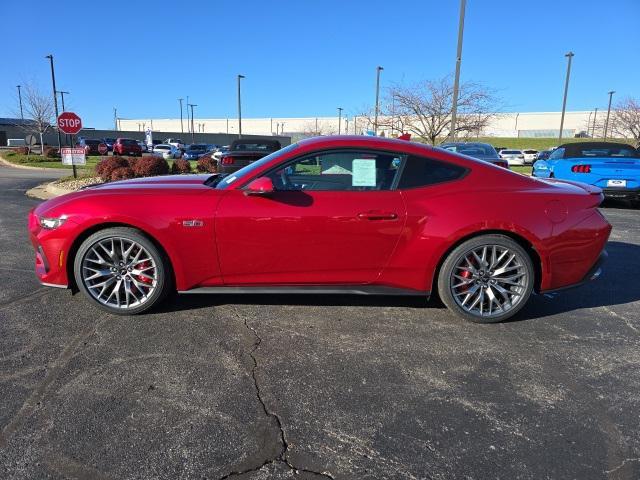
51,223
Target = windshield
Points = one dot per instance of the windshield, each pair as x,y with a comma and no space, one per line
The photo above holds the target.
256,146
511,152
198,148
472,149
126,141
249,169
163,147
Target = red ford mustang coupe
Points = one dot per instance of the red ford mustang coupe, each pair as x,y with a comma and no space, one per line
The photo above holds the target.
336,214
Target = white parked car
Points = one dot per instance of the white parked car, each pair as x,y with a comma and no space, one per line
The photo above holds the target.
530,156
166,151
513,157
218,152
176,142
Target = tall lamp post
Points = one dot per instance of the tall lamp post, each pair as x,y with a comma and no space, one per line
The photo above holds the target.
606,123
569,56
240,77
593,130
55,97
20,100
192,133
340,120
375,118
181,125
456,80
67,137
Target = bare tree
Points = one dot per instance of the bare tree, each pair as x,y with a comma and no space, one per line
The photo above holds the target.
316,128
424,109
625,119
38,111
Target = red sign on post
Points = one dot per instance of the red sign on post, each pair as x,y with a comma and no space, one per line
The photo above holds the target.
103,149
69,122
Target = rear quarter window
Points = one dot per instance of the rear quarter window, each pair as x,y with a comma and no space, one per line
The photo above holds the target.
422,171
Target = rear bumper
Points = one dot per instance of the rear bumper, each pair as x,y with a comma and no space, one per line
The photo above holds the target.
593,274
622,193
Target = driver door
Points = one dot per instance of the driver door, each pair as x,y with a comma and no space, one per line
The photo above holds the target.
334,218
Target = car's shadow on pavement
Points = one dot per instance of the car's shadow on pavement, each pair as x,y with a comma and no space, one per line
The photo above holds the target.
616,286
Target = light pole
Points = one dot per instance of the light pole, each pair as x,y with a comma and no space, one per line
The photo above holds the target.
340,120
55,97
20,100
375,118
181,125
62,94
240,77
566,90
192,133
115,119
606,123
456,80
593,130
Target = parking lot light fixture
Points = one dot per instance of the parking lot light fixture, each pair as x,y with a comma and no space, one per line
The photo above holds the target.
340,120
20,100
569,56
181,125
240,77
192,129
606,123
377,108
593,130
456,80
55,97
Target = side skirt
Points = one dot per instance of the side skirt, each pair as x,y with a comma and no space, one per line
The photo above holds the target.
312,289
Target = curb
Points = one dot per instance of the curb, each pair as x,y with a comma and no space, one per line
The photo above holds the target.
24,167
46,191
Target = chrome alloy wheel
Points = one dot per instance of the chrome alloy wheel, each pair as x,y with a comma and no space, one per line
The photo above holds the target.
489,280
119,273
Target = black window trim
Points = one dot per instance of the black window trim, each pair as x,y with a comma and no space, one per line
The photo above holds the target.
336,150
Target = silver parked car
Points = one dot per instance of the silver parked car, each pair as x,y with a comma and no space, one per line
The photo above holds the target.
166,151
513,157
481,151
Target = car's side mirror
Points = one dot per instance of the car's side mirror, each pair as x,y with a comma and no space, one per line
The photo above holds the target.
259,186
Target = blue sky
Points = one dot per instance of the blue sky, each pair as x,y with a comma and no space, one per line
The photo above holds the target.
307,57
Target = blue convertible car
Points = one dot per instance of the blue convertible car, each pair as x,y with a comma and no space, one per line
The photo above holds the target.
614,167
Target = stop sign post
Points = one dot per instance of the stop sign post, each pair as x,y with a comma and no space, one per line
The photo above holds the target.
71,124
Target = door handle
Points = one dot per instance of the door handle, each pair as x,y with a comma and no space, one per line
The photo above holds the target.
377,215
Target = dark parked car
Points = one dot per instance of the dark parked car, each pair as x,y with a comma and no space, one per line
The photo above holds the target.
481,151
244,152
109,143
195,151
90,146
127,146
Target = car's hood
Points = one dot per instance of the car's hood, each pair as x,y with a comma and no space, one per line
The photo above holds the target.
163,181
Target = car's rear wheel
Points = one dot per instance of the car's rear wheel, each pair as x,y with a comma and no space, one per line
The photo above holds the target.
122,271
486,279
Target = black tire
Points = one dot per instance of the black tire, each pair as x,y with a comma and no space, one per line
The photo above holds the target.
162,269
445,277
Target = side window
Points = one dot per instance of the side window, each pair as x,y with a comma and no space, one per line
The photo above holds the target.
421,171
339,170
557,154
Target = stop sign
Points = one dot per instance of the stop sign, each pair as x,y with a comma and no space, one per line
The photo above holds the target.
103,149
69,122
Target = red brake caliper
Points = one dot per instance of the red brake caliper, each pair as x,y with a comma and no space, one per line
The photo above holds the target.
142,266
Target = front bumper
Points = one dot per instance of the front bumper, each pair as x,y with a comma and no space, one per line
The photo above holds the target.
51,248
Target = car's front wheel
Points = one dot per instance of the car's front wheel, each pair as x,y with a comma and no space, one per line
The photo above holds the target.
122,271
486,279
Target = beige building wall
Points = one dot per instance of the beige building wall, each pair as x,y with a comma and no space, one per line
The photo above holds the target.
525,124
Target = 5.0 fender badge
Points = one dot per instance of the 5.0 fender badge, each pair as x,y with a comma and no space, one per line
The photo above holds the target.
192,223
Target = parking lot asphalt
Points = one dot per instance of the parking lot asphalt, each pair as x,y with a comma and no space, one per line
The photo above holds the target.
261,387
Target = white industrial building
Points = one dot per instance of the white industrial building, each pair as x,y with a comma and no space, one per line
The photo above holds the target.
525,124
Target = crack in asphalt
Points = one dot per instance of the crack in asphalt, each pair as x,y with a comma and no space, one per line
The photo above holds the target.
41,291
284,445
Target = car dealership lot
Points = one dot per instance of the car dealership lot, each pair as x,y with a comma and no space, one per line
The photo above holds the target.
346,387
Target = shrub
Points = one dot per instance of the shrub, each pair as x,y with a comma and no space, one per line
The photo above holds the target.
107,165
21,150
181,166
131,161
207,164
150,166
51,152
122,173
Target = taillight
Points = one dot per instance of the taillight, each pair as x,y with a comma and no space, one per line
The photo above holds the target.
503,164
227,161
581,169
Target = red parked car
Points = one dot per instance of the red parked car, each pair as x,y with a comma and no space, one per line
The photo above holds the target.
127,146
335,214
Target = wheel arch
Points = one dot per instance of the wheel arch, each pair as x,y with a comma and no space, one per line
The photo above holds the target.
86,233
536,259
